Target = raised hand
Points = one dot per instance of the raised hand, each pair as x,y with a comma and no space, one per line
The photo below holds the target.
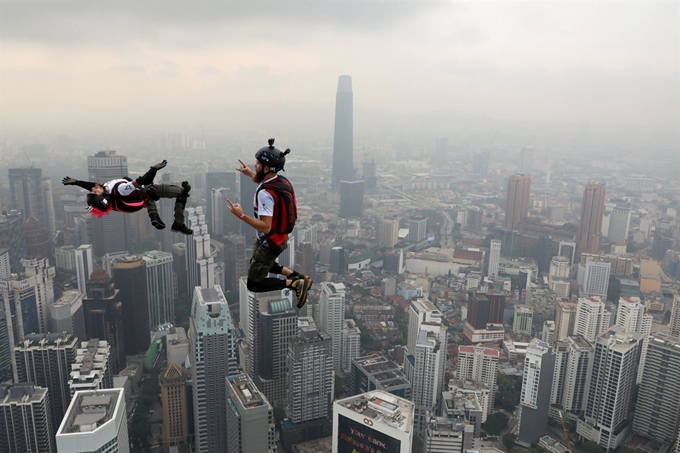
245,169
235,208
68,181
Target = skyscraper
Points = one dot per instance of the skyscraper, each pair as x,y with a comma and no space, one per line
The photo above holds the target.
12,238
592,318
110,233
235,260
417,229
428,373
45,360
479,365
611,388
369,174
96,420
129,275
66,314
526,160
159,283
539,365
592,210
199,263
631,317
50,219
337,260
351,199
214,180
596,278
657,411
375,420
6,346
351,343
103,311
565,318
332,317
25,419
250,418
175,411
558,276
675,318
84,266
38,241
494,258
273,321
420,311
619,225
376,372
213,358
517,201
309,385
577,373
27,194
343,139
523,319
389,232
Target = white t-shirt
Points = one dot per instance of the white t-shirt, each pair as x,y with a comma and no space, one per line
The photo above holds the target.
124,189
264,204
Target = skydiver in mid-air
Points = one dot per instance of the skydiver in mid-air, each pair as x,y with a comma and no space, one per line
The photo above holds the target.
127,195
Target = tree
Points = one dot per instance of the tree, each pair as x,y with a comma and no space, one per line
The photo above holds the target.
614,289
495,423
509,441
342,383
590,447
509,389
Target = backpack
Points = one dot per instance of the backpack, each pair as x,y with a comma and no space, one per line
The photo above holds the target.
285,205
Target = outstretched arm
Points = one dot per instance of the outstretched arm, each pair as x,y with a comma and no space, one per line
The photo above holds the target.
246,170
68,181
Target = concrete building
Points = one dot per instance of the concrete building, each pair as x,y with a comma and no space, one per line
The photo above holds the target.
373,420
611,387
84,266
66,314
596,278
417,229
548,334
130,277
420,311
539,366
565,318
523,319
45,361
577,374
199,262
351,199
561,349
389,232
343,139
173,383
376,372
250,418
25,419
92,368
351,344
494,258
592,318
95,421
332,317
675,318
592,209
444,435
177,346
213,358
159,287
235,260
461,404
517,201
631,317
428,373
558,277
657,410
479,365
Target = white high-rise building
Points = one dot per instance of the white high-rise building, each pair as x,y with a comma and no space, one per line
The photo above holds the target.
159,288
49,206
421,310
199,263
548,334
445,435
523,319
64,257
577,374
428,373
84,266
591,318
539,366
558,277
376,420
596,278
631,317
249,418
561,349
96,420
479,365
675,318
5,270
351,343
92,368
332,317
218,198
213,358
494,258
611,387
619,225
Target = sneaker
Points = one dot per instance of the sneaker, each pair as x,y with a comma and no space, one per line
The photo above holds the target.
296,276
181,228
185,193
301,287
156,221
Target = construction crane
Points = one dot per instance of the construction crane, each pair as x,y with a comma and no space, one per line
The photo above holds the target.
566,433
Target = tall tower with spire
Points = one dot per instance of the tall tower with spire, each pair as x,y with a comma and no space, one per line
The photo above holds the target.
343,140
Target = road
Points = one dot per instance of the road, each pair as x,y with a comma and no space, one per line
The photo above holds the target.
511,428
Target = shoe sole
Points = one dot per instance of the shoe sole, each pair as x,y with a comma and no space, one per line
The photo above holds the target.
158,225
182,232
305,288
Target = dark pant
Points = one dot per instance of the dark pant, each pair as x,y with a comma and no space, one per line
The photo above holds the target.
169,191
262,263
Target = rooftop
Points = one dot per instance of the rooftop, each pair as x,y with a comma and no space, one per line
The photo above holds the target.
244,389
382,407
21,393
491,352
89,410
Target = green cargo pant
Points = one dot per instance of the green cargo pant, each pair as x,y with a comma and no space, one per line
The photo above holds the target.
169,191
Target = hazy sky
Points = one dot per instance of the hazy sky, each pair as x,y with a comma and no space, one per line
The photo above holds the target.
609,63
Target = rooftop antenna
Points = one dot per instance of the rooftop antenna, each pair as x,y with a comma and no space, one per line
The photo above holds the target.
29,159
